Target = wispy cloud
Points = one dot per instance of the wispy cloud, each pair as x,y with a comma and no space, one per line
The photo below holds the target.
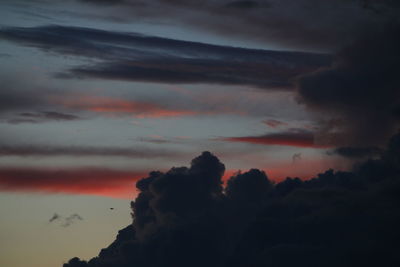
137,57
112,105
294,137
82,151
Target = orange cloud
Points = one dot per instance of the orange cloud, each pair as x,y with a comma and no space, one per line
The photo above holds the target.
116,105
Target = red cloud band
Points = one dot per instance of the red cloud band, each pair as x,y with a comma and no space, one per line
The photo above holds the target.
295,138
102,182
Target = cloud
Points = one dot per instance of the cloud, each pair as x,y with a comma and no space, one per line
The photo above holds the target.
357,152
358,96
137,57
335,219
54,217
29,102
274,123
17,96
303,24
82,151
103,2
139,109
40,117
71,219
296,156
65,222
293,137
91,181
244,4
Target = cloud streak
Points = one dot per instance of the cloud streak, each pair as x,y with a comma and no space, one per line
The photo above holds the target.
137,57
304,24
90,181
82,151
112,105
295,138
42,116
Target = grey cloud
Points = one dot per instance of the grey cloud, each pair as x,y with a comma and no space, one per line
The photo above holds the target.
304,24
40,117
85,151
136,57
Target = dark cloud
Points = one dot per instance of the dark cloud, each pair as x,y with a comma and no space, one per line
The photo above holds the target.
54,217
357,152
67,221
359,94
40,117
249,186
26,101
136,57
82,151
303,24
244,4
295,157
103,2
184,216
292,137
274,123
71,219
15,96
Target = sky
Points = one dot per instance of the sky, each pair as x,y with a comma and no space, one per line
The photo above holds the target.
96,94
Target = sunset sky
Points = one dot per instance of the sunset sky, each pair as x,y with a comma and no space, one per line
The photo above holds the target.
95,94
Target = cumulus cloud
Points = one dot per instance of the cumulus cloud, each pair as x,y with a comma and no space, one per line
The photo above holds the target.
184,216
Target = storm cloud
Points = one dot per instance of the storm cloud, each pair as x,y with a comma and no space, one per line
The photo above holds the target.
358,97
335,219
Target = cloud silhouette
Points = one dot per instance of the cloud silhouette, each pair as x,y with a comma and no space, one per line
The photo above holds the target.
185,217
358,96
